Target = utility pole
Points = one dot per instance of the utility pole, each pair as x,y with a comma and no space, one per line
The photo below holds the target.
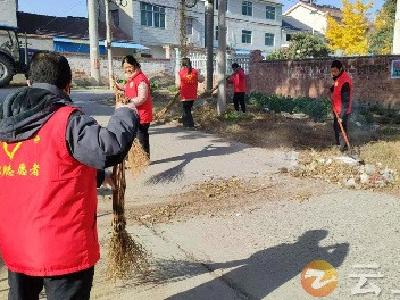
108,46
93,9
221,57
210,43
396,31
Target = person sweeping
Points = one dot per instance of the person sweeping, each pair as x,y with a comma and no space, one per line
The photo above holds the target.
137,91
188,82
238,79
341,103
52,150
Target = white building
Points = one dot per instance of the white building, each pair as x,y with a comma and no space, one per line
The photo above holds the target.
313,15
252,25
8,12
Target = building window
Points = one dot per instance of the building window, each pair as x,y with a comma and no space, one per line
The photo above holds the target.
189,26
270,13
115,17
269,39
288,37
216,33
152,15
246,37
247,8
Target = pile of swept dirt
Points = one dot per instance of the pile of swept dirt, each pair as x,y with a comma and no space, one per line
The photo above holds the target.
222,197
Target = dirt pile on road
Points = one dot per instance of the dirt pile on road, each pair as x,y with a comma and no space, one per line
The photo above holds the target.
227,197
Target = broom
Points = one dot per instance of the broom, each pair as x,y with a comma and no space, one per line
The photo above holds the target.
161,114
126,258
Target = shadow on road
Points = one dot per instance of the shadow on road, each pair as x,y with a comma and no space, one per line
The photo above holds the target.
176,173
260,274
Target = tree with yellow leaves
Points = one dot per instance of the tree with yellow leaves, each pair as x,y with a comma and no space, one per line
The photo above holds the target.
350,34
381,39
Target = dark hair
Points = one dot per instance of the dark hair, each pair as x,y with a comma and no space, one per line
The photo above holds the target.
235,66
337,64
187,63
129,59
50,67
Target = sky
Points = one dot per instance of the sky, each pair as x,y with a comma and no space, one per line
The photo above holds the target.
78,7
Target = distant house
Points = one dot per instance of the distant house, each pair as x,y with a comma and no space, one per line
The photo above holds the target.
251,25
313,15
291,26
69,34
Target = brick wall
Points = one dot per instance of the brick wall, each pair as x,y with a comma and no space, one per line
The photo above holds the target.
312,78
80,65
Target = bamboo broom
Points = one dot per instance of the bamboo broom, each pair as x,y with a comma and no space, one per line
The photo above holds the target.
126,258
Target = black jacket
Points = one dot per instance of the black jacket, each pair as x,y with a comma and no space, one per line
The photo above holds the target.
24,112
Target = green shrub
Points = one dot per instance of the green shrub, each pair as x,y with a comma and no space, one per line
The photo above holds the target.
317,109
172,88
154,85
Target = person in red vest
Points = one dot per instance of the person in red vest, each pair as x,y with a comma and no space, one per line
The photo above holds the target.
137,90
238,79
341,100
50,155
188,82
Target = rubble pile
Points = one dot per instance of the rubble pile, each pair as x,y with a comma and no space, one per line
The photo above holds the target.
345,171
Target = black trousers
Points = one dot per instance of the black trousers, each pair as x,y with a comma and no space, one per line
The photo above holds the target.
187,118
143,136
336,127
238,98
76,286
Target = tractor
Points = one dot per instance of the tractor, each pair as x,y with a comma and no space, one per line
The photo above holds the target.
13,58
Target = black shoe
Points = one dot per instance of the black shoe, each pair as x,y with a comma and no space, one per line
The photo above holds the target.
344,148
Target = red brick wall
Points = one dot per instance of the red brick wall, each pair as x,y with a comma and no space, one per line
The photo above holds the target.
312,78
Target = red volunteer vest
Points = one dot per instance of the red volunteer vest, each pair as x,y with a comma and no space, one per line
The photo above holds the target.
239,82
337,96
48,209
131,91
189,84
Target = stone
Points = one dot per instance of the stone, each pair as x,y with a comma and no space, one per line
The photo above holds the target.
351,183
370,169
347,160
364,178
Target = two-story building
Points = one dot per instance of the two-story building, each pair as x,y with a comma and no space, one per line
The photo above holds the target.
313,15
251,25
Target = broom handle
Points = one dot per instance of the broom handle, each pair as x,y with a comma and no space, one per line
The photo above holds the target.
119,191
345,137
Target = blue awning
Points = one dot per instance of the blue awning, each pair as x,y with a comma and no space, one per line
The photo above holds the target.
114,44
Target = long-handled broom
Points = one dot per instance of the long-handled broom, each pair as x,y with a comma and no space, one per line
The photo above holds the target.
126,258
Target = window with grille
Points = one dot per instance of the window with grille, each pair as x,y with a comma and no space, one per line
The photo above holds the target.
270,13
247,8
269,39
246,37
152,15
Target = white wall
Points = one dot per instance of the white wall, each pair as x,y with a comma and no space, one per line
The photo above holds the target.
258,24
8,12
38,43
316,20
